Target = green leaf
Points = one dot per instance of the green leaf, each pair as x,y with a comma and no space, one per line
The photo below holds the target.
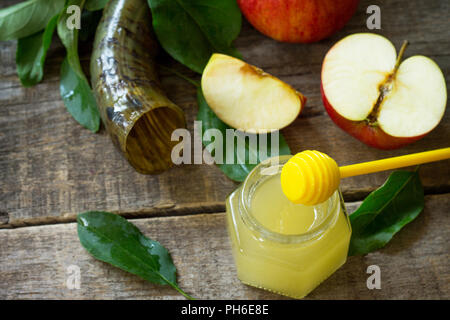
74,87
28,17
78,97
242,166
31,52
69,37
191,30
385,211
112,239
94,5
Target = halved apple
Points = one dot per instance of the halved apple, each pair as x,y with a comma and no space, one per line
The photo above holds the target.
378,99
246,98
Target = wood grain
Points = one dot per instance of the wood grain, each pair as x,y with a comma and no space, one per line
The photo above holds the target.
34,262
51,168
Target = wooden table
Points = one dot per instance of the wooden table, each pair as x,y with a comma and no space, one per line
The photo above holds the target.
51,169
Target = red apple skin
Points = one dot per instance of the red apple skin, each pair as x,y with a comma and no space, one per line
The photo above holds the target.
302,21
373,136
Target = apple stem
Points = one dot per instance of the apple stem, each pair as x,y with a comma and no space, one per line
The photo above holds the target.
386,87
399,57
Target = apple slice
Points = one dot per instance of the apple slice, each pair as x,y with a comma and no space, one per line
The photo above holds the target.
378,99
248,99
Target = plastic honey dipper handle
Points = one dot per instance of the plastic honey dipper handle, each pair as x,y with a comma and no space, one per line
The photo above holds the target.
310,177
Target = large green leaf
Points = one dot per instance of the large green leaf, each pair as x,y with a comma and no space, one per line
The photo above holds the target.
28,17
112,239
31,53
385,211
78,97
242,165
191,30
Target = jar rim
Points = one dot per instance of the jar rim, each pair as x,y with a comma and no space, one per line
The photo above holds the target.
272,166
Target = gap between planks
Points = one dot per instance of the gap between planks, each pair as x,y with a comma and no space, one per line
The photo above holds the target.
217,208
160,212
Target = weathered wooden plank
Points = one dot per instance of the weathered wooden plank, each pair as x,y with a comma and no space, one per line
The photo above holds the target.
51,168
34,262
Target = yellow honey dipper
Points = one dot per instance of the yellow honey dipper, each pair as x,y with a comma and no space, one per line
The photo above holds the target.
310,177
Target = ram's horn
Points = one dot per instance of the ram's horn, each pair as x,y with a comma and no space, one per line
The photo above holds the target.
134,109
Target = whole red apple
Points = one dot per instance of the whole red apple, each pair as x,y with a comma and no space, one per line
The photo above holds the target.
298,20
377,98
